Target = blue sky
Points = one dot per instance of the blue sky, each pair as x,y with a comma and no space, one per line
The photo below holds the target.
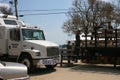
51,24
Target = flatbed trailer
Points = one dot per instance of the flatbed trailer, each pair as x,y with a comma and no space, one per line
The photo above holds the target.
104,48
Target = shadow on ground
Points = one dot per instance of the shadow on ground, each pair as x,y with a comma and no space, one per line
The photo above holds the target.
42,71
94,68
77,67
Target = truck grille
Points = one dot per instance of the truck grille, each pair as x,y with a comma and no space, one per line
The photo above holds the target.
52,51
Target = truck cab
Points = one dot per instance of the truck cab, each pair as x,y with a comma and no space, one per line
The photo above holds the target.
26,44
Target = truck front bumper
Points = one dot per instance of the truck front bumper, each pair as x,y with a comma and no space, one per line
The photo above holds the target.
46,61
49,61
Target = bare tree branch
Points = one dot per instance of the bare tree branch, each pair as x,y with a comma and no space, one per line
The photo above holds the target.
83,15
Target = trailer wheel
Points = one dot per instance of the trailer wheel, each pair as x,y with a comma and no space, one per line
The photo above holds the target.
50,66
27,60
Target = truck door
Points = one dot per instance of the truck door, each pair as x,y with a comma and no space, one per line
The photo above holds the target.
14,42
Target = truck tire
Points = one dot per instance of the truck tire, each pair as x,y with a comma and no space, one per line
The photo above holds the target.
27,60
50,66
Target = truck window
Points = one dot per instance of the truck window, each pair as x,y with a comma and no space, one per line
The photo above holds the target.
10,22
31,34
15,34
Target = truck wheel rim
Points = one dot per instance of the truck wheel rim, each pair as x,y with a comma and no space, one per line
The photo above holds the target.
26,62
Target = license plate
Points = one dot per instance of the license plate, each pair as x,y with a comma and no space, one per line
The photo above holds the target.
49,62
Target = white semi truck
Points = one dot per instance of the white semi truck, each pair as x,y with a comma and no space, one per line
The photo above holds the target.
26,44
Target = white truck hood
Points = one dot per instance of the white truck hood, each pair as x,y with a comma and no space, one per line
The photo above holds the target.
42,43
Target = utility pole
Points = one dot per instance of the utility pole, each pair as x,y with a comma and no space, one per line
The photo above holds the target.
16,11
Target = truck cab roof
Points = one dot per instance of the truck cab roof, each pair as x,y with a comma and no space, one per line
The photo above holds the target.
10,21
7,16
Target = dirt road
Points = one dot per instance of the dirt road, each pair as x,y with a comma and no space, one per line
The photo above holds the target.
78,71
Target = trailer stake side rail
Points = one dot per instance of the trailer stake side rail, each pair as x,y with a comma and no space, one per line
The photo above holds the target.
101,47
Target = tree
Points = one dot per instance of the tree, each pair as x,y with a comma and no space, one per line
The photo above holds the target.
84,14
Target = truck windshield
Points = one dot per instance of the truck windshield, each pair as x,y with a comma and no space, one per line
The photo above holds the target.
31,34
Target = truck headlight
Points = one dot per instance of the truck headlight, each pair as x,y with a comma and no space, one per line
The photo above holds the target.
38,54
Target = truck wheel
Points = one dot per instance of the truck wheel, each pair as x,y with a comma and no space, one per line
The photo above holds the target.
27,60
50,66
1,79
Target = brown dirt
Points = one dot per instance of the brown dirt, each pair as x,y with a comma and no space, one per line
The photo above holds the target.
78,71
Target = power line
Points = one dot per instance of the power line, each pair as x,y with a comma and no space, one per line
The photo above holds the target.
47,12
44,10
43,14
